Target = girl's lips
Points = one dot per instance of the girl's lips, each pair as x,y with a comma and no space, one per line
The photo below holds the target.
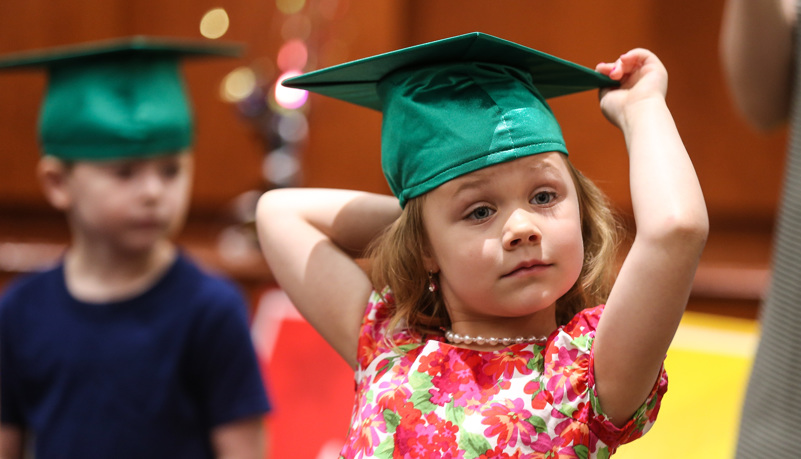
528,268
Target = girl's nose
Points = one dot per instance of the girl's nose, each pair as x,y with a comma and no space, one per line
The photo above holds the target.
520,229
152,185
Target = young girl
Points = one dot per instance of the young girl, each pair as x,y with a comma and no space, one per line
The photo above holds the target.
477,329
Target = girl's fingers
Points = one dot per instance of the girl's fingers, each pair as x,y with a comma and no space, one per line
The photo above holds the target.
605,68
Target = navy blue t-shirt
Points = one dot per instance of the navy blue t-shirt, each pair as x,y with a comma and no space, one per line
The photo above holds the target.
146,377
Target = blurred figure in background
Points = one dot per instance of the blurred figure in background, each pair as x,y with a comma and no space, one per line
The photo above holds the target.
125,348
759,47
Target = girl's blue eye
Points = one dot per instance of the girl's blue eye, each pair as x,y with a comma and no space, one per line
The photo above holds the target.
543,197
480,213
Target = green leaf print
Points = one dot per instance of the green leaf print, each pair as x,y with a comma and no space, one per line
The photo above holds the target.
603,453
420,380
408,347
583,342
385,448
421,400
473,445
539,424
567,409
454,414
582,452
392,419
536,363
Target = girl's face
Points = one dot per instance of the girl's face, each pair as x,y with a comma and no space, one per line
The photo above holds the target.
130,204
506,242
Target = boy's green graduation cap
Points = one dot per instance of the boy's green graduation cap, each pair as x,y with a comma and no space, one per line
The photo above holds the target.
122,98
456,105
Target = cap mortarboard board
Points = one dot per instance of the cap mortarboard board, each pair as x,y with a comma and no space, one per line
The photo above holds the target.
112,99
456,105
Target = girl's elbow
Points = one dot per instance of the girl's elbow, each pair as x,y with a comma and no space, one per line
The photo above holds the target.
689,231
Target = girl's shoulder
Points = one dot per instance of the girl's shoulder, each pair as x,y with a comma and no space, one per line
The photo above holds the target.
375,336
584,322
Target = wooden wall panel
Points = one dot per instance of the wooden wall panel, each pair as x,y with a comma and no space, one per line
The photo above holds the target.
740,169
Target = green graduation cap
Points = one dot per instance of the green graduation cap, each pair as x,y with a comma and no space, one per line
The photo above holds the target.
122,98
457,105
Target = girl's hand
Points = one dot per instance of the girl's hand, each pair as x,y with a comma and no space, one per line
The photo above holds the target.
642,77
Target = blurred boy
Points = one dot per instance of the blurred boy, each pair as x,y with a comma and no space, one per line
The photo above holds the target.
125,348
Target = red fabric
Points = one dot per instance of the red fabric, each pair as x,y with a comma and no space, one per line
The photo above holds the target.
312,391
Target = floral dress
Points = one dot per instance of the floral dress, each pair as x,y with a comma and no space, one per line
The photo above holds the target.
429,399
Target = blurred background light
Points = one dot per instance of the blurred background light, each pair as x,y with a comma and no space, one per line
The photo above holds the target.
238,84
292,55
289,98
293,127
214,23
290,6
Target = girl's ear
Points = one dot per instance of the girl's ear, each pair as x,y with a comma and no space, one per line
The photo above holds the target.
53,174
429,262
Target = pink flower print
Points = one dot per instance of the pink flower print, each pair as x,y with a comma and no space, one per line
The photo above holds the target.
551,445
572,382
508,421
372,422
457,380
564,357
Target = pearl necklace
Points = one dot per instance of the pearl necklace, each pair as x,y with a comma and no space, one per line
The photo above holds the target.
456,338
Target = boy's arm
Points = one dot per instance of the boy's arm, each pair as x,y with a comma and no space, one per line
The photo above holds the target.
651,292
756,47
11,441
243,439
309,238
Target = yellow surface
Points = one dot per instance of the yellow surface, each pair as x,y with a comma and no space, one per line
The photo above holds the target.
708,366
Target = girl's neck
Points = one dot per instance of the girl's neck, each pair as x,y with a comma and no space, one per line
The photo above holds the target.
101,275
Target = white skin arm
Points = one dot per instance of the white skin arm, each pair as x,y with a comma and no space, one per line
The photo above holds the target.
11,442
242,439
308,237
649,297
756,47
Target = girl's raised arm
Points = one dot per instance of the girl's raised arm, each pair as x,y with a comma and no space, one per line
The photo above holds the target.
651,292
309,238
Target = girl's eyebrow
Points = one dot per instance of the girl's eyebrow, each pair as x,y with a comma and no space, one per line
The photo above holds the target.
470,184
479,179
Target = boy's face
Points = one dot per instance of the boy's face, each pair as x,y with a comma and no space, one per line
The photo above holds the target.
129,204
506,239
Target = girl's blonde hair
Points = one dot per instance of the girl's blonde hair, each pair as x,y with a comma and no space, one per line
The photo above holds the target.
396,261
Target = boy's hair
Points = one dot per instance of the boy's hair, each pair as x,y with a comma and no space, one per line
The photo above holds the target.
397,262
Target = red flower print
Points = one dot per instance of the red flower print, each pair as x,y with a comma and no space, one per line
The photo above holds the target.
540,398
425,437
576,433
367,346
507,363
392,394
508,421
498,453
